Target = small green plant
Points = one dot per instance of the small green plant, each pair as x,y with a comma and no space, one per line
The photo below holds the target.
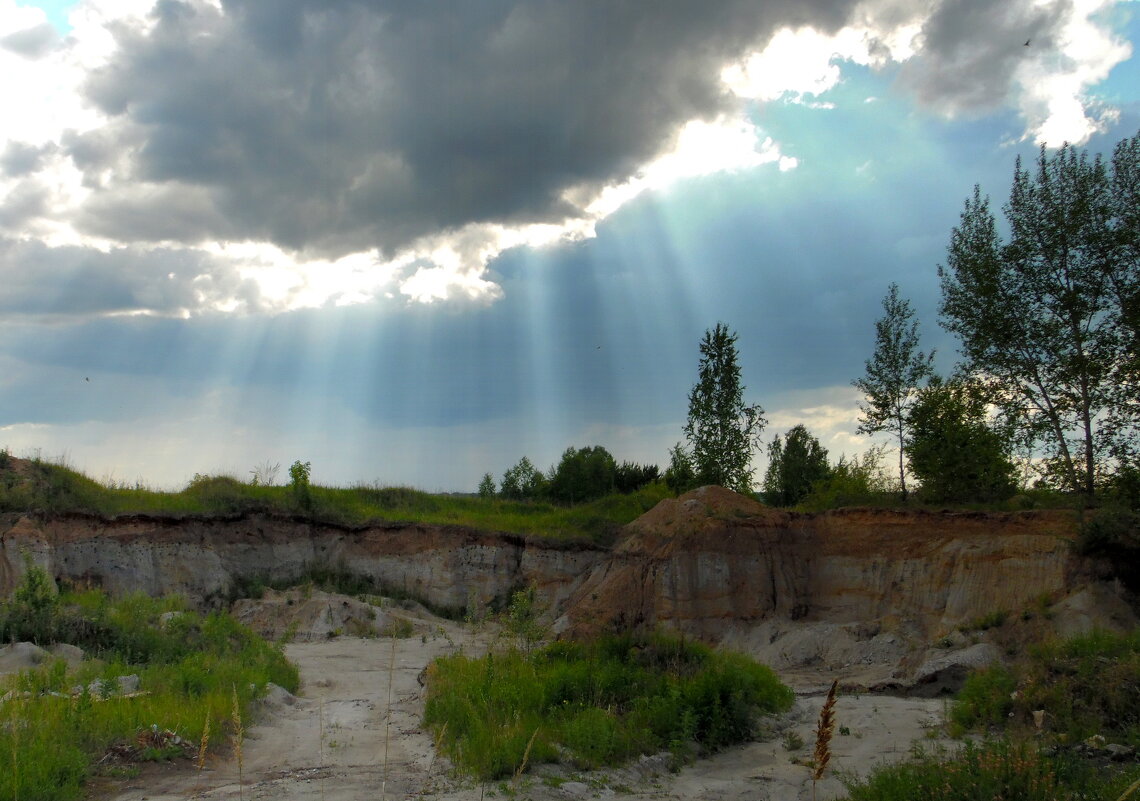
792,740
299,483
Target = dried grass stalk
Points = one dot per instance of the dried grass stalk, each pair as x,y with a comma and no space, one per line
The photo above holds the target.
526,756
823,735
239,737
1131,789
202,745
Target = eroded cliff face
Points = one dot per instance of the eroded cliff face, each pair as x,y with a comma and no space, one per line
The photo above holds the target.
844,587
711,561
445,566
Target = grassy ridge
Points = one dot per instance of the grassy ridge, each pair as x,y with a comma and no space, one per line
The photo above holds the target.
192,671
51,488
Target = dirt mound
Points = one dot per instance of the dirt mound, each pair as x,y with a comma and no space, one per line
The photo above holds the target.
697,509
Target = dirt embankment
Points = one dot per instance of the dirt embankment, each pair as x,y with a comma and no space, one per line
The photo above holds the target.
865,591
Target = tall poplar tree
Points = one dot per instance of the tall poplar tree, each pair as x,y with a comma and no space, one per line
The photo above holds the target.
893,375
722,430
1048,320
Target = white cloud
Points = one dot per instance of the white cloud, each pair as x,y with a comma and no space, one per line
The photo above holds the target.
1054,87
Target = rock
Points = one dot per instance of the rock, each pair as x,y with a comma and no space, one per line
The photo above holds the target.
22,656
128,684
946,673
122,685
72,654
277,696
1120,752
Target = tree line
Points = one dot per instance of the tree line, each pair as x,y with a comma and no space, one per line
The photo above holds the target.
1048,326
582,474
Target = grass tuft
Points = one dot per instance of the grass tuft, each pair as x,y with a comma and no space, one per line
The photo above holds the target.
599,703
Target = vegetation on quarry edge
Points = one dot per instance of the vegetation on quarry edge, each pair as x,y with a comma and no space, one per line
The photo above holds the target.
63,723
1061,722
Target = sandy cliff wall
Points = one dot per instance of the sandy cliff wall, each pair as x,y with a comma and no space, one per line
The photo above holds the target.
712,560
712,563
448,566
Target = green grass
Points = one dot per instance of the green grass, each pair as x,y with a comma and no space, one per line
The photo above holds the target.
1087,685
599,703
189,667
55,489
997,769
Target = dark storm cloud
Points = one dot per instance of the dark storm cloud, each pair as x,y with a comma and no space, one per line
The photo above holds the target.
338,126
971,50
33,43
78,281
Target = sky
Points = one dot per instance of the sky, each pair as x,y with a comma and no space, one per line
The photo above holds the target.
411,241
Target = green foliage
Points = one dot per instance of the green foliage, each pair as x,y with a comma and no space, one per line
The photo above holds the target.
599,703
795,464
1112,533
188,667
522,620
487,486
955,453
1087,685
522,482
582,475
984,700
722,431
680,476
1048,319
30,615
48,488
299,473
893,375
858,481
630,477
991,770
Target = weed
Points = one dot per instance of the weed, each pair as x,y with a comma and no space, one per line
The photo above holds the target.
792,741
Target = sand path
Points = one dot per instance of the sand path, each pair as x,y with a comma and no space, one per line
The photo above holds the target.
329,744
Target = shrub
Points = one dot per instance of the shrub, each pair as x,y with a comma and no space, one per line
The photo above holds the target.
1087,685
602,702
990,770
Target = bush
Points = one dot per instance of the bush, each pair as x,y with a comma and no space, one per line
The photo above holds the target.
858,481
602,702
1087,685
992,770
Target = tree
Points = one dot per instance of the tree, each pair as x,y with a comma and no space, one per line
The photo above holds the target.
894,373
487,486
1048,320
680,475
954,451
521,482
795,464
582,475
722,431
630,476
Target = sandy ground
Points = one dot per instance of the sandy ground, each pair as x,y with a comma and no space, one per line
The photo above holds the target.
329,744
